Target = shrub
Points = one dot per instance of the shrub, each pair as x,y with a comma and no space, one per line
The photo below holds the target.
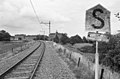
4,36
109,53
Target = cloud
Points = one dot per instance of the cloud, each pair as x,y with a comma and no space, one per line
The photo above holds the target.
44,13
19,13
68,14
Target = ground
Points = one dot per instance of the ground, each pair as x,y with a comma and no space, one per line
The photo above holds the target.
53,67
81,72
6,46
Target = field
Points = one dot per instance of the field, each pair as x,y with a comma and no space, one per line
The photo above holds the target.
8,46
78,47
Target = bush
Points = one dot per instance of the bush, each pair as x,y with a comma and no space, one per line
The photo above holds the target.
56,39
41,37
76,39
64,39
4,36
87,49
109,53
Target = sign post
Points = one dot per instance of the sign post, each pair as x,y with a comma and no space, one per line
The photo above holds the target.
97,19
96,60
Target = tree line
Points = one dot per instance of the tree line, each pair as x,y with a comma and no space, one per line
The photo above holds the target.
4,36
64,39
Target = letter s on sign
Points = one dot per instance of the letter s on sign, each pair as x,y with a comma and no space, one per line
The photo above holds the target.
98,18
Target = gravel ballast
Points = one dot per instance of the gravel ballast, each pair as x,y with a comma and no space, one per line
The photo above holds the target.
53,67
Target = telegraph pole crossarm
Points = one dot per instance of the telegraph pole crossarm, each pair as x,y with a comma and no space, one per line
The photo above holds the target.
49,23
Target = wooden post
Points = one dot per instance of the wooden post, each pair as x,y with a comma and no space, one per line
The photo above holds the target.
102,71
21,48
78,61
64,51
12,49
70,55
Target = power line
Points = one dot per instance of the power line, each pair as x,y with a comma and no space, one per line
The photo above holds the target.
38,17
35,12
49,23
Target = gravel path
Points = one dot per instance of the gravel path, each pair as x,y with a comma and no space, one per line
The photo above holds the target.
53,67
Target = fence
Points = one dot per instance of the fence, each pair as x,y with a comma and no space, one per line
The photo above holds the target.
79,58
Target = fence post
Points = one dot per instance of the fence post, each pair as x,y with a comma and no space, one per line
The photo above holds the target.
89,65
78,61
70,55
12,49
21,48
102,71
24,45
64,51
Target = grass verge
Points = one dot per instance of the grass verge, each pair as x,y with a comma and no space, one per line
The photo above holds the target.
81,72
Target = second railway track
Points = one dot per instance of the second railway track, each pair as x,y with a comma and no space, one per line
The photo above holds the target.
26,67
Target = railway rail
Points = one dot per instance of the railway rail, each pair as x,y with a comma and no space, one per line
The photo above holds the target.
23,67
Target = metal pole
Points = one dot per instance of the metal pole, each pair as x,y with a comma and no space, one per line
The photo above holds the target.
96,60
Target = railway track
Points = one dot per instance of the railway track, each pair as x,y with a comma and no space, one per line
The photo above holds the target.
27,66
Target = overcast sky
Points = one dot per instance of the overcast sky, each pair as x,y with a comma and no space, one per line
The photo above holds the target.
68,16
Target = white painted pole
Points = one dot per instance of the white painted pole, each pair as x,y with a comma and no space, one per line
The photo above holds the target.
96,61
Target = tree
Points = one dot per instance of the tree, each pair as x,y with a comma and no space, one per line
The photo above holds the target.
64,39
85,40
108,61
41,37
75,39
117,59
56,39
109,53
4,36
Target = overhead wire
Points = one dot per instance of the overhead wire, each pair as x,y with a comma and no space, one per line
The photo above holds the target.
35,13
40,22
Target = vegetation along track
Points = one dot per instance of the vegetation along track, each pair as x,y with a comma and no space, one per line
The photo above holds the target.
26,68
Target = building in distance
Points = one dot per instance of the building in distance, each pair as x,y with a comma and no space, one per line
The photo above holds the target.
22,37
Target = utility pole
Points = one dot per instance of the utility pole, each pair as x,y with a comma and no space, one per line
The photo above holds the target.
49,23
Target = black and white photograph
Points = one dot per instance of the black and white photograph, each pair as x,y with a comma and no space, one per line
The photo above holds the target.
59,39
